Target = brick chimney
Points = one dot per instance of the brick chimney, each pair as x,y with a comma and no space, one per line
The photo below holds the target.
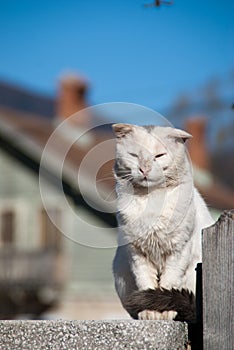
198,145
71,99
217,195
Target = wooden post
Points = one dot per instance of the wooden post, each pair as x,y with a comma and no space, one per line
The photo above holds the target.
217,280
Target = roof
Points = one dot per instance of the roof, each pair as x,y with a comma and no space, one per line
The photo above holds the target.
25,136
25,101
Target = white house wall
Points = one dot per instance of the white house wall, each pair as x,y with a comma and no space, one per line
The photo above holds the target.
90,269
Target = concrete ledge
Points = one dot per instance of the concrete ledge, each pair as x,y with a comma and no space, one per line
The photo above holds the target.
92,335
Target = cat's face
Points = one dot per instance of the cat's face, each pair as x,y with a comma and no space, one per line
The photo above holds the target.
149,156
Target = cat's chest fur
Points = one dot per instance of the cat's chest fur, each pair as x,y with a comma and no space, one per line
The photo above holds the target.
154,226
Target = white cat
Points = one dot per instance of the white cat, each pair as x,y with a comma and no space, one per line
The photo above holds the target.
160,218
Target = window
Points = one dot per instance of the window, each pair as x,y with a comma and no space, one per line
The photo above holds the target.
7,226
50,234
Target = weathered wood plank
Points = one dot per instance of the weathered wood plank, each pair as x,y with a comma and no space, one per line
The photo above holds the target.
217,280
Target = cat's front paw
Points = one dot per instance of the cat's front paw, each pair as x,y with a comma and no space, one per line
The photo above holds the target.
155,315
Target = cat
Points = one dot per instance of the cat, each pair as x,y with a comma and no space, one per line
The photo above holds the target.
160,216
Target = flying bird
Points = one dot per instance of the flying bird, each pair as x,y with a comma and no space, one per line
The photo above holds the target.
158,3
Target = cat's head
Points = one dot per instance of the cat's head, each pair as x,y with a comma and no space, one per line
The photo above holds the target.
150,156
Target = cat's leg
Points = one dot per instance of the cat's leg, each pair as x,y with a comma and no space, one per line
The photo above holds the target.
179,272
144,272
146,278
133,272
177,275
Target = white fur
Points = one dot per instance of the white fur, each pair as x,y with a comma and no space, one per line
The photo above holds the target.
160,216
154,315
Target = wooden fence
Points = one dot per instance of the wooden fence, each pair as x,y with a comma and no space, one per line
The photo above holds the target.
217,284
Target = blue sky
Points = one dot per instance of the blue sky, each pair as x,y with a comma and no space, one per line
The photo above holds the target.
128,53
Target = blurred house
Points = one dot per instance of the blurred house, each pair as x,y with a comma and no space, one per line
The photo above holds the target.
37,259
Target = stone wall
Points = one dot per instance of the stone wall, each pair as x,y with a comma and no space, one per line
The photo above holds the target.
92,335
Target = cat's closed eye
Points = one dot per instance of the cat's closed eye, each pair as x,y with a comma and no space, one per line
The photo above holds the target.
159,155
133,155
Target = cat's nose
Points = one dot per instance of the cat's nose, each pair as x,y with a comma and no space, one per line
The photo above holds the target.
144,171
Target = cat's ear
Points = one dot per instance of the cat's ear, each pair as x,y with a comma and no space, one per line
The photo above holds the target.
180,134
122,130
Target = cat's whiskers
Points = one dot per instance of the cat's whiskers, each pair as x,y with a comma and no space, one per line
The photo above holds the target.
125,174
128,177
